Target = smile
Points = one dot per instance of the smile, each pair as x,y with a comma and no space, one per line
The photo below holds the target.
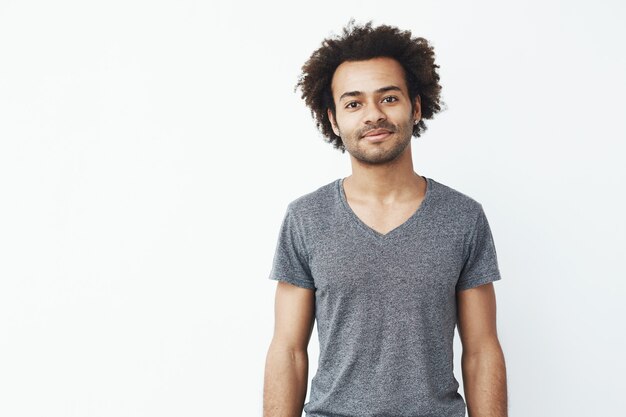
378,138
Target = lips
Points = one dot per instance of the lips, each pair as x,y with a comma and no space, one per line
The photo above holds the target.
378,135
377,132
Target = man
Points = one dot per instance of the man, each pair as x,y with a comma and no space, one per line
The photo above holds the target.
387,261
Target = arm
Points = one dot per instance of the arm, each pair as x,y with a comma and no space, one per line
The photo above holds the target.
482,361
287,362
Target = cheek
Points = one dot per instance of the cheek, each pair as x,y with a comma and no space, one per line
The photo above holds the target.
348,122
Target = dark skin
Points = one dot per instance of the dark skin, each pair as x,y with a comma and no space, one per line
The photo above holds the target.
384,191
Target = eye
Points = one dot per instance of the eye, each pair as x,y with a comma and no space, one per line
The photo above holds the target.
349,105
391,97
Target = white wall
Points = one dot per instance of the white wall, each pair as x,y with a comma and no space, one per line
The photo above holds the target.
148,151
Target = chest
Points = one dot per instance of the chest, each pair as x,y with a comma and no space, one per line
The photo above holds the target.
384,219
348,261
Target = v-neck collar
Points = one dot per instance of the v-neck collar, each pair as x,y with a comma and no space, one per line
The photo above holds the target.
374,233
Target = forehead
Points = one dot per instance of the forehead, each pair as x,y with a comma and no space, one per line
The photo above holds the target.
367,76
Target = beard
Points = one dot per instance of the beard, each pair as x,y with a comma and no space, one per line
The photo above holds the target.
382,152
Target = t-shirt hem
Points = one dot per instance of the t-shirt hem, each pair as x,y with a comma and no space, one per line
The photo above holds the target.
294,281
476,282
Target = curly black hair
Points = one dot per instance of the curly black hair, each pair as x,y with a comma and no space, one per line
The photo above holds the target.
363,42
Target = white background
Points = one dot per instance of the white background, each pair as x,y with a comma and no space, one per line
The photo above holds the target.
148,151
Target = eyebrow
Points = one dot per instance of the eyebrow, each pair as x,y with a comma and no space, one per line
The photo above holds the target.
380,90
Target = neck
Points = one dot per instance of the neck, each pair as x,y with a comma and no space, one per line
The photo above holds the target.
387,183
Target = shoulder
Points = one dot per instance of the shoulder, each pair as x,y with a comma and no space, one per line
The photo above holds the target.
453,203
313,213
316,202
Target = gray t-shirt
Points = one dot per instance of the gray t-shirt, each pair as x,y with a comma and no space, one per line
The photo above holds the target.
385,305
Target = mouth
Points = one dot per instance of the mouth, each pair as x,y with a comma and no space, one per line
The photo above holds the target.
377,135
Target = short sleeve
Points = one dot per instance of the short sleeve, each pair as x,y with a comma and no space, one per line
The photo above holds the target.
290,262
481,264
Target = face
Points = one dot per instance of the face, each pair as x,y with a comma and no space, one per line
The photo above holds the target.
372,96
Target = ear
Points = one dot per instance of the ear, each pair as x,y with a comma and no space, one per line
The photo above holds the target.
333,123
417,108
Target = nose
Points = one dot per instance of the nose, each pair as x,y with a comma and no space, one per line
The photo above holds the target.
373,113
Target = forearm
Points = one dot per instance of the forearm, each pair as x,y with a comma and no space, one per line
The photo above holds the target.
484,382
285,382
